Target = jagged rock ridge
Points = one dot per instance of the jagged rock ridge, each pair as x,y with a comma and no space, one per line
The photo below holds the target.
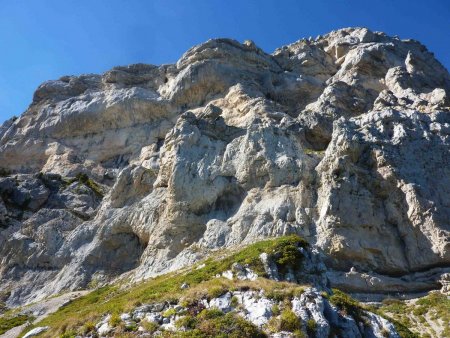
343,139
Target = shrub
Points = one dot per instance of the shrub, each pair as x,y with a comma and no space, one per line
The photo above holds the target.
275,310
402,330
288,253
149,326
194,308
420,311
169,313
289,321
88,327
131,327
347,305
299,334
324,294
3,307
114,320
210,314
229,325
216,291
273,324
276,295
186,322
391,301
283,249
93,284
234,302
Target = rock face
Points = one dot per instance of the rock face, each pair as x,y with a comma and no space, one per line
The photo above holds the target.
343,139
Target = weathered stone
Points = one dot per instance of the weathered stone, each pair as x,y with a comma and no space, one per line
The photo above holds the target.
342,139
36,331
222,303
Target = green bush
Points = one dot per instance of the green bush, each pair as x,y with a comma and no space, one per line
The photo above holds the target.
347,305
287,253
229,325
216,291
88,327
169,313
275,310
283,249
186,322
210,314
234,302
131,327
149,326
289,321
114,320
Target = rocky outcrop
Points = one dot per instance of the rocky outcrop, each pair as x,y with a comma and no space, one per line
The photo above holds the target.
324,318
342,139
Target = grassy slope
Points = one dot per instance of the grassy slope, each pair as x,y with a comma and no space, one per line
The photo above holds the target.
428,316
116,299
8,322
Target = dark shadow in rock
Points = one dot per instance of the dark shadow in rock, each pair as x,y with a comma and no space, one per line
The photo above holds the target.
116,254
228,203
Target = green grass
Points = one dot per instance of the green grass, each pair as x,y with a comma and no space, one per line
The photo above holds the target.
435,305
284,250
79,316
352,307
115,299
397,316
186,322
7,323
168,313
115,320
289,321
286,321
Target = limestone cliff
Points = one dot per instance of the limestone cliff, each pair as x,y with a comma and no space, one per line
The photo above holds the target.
343,139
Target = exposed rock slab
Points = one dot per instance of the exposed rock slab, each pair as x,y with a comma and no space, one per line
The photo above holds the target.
343,139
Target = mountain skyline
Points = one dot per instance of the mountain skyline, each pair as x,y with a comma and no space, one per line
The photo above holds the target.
45,42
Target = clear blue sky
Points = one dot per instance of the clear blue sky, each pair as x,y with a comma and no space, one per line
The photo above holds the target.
45,39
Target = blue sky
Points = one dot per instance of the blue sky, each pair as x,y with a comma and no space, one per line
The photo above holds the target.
45,39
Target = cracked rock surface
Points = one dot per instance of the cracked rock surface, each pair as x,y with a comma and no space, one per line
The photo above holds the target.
342,139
